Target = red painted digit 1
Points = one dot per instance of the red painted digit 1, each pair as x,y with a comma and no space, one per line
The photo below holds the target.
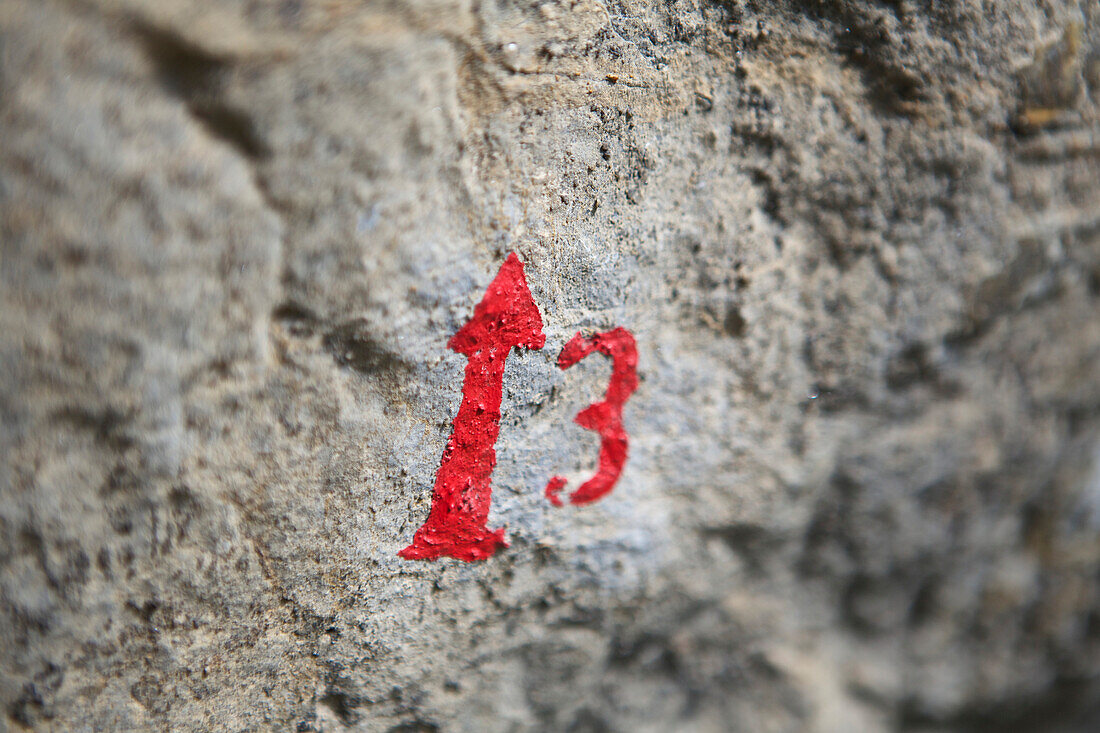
506,317
605,417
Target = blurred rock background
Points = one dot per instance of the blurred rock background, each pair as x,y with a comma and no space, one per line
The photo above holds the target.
858,242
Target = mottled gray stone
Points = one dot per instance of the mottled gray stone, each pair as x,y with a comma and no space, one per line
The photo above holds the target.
858,244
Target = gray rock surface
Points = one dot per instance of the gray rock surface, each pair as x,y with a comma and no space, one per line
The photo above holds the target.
858,243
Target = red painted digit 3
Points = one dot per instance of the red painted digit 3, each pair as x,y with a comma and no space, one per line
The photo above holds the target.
506,318
605,417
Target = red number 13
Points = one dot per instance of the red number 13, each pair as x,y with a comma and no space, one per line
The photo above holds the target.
507,318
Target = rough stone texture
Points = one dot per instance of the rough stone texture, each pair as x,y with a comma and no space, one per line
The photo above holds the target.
858,243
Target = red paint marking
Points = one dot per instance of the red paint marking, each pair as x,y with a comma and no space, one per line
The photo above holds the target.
553,490
605,417
506,317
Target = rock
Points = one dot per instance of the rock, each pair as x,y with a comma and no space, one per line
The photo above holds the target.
858,245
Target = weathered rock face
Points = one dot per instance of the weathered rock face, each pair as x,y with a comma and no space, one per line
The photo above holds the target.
858,244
